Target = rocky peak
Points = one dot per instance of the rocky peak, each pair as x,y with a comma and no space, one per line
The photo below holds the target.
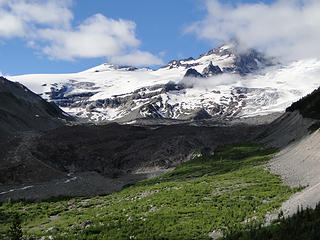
193,73
211,70
250,61
126,68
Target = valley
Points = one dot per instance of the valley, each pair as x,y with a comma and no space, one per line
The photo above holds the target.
159,120
192,150
199,199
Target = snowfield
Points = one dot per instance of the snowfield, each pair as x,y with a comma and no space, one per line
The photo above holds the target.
109,92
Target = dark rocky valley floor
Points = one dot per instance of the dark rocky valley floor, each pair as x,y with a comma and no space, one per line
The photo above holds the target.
114,154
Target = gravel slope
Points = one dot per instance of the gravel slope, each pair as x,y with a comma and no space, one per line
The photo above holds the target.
286,129
299,165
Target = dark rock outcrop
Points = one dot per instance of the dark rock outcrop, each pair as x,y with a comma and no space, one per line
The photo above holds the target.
201,115
251,61
211,70
193,73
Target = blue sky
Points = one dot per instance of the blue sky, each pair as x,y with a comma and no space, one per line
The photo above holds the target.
159,31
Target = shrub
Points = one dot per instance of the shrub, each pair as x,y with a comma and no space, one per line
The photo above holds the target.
15,230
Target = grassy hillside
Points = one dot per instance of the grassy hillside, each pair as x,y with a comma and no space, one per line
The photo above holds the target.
208,193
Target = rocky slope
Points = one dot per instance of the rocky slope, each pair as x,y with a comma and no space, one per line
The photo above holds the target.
23,114
222,83
23,110
298,163
115,150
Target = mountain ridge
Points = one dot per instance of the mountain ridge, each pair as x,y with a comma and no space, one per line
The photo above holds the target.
230,84
23,110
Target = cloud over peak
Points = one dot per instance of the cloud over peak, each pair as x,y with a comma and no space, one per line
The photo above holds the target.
284,28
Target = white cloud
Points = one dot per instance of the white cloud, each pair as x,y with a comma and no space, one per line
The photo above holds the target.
22,18
10,26
46,25
98,36
212,82
285,28
138,58
162,53
52,13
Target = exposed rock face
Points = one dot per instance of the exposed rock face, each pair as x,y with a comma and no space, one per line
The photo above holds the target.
211,70
251,61
158,101
193,73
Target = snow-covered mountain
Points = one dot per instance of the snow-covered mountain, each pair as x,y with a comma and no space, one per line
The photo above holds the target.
221,83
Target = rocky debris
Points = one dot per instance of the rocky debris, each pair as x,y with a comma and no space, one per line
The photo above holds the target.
86,224
18,166
52,229
86,184
215,234
47,238
150,110
114,150
249,220
113,154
